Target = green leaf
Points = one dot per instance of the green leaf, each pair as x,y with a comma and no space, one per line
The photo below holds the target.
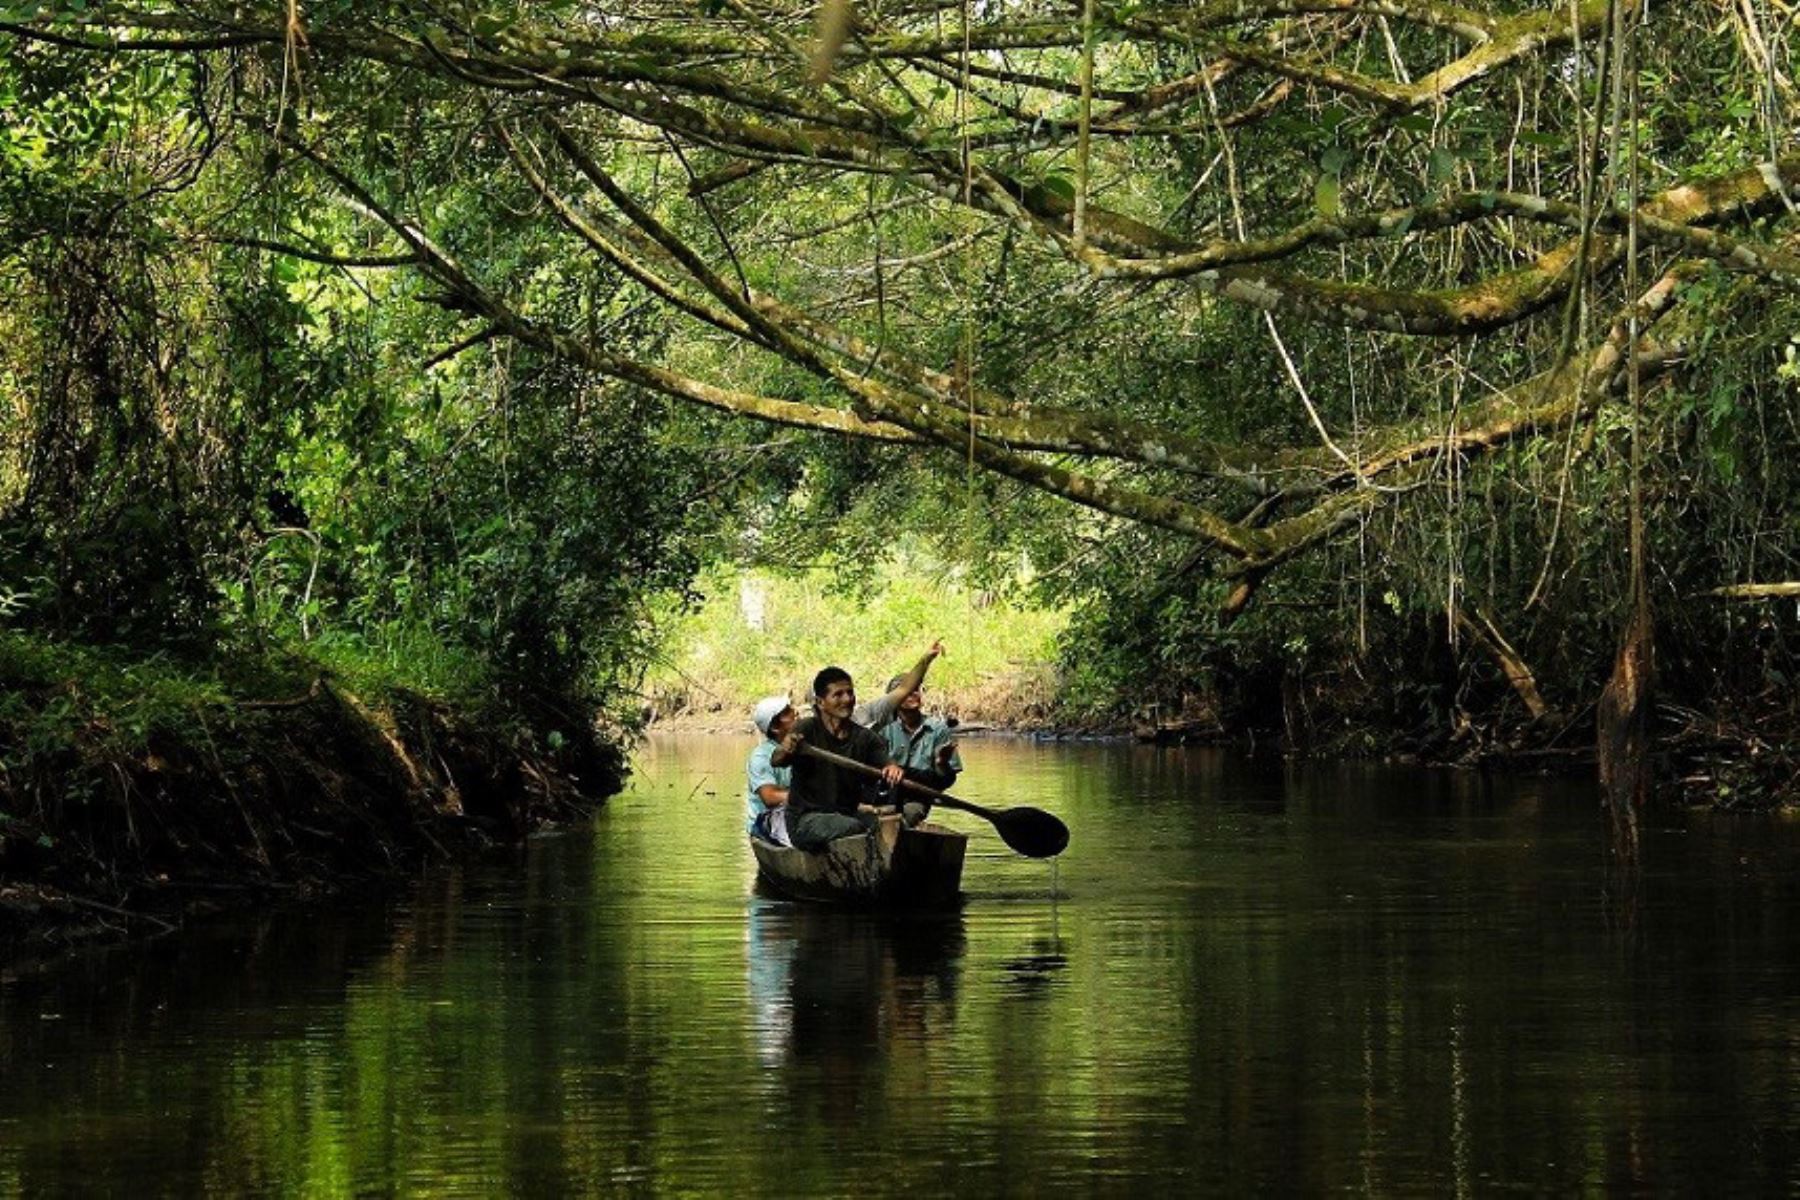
1060,185
1442,165
1326,194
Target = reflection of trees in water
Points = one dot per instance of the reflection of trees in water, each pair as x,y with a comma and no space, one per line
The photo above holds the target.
210,1004
1390,980
311,1051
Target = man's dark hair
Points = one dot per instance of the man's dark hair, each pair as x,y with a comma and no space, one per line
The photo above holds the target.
827,677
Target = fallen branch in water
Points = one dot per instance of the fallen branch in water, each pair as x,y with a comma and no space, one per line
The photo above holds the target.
127,914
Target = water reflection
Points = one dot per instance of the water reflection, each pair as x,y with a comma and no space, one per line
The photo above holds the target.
1245,977
841,987
1033,973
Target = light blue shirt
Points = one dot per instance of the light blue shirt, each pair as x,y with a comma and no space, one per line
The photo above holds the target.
919,750
761,773
875,714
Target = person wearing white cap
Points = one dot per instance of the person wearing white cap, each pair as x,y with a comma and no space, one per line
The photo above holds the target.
768,784
827,802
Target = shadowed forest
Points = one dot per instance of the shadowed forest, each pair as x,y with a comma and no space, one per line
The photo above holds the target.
1366,376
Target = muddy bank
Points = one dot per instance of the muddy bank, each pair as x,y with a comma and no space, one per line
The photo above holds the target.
1745,759
250,799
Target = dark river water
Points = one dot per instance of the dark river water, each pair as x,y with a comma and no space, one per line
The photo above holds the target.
1241,977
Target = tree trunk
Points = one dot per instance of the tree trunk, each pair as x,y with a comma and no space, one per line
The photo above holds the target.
1623,728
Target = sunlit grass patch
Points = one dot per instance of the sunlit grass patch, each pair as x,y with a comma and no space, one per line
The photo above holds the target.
758,633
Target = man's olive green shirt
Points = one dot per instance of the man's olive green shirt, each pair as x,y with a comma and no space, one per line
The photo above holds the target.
821,787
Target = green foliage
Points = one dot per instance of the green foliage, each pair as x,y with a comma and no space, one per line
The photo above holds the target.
760,632
218,445
208,442
117,703
57,695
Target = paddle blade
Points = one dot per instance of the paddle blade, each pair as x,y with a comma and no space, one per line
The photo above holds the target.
1032,832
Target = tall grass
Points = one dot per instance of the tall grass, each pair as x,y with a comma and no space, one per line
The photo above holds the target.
759,633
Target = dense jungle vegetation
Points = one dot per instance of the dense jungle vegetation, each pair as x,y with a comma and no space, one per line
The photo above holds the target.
1366,373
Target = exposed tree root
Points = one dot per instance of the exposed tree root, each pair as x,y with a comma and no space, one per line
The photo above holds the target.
262,800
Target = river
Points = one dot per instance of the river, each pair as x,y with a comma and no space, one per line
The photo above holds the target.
1243,976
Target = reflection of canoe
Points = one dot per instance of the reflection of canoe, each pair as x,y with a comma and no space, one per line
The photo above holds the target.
908,866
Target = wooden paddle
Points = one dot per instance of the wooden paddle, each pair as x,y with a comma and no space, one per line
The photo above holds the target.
1031,831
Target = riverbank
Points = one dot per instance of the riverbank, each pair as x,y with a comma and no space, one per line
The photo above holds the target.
135,794
1746,760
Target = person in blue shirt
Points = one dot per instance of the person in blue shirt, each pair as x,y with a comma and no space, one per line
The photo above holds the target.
827,802
875,715
766,803
924,747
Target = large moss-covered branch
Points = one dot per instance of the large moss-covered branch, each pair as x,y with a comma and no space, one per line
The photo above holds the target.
1499,42
1091,491
1490,304
1469,207
1551,400
641,77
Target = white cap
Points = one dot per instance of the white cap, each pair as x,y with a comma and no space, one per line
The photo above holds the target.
766,710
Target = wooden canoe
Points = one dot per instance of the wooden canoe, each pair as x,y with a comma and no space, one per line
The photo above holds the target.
895,865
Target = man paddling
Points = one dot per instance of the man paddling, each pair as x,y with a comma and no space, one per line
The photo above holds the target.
824,801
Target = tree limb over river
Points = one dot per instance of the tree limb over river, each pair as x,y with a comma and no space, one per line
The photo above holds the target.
1436,187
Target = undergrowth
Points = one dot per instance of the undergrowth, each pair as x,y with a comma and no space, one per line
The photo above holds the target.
758,633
